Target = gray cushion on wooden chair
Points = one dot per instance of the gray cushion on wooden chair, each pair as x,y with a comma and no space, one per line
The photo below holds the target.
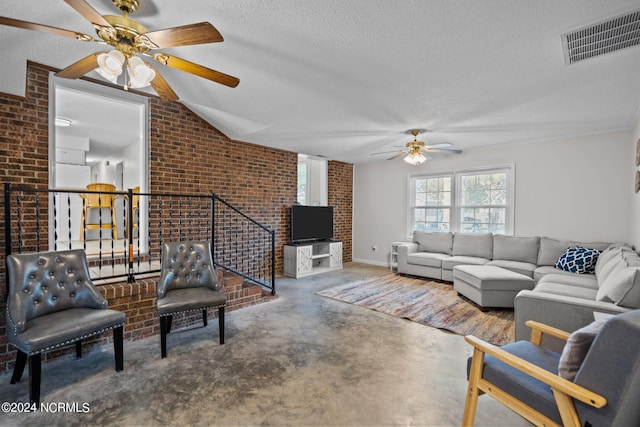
612,369
535,393
52,301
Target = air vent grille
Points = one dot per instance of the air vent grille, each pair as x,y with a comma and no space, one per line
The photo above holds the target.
604,37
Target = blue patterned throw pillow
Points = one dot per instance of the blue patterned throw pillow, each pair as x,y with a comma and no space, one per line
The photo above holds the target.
578,260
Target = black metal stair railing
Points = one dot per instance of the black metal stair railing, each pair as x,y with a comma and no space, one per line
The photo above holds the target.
242,245
124,235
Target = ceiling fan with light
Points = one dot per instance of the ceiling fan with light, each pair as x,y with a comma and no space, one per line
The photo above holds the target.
417,152
130,42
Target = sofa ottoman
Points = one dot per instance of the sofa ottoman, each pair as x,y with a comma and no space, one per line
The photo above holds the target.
488,285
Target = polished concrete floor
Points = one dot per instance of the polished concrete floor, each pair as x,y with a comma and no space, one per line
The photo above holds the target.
300,360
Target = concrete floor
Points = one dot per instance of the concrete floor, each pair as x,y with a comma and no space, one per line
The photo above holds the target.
301,360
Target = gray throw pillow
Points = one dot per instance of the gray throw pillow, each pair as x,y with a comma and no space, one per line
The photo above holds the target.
523,249
551,250
433,242
576,349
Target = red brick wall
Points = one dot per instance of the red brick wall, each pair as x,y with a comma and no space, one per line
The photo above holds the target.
187,155
340,177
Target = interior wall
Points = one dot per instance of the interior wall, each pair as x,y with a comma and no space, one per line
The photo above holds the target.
187,155
574,188
634,220
131,169
104,172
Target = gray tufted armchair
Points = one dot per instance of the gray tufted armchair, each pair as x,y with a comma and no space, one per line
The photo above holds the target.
188,282
52,303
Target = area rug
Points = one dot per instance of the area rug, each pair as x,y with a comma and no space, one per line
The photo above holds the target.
429,303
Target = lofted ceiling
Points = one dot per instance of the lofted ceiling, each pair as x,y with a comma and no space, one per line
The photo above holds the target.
347,78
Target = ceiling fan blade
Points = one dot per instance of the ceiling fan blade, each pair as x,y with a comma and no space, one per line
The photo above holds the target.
440,145
397,155
198,70
427,156
199,33
161,87
384,152
88,12
443,150
44,28
80,68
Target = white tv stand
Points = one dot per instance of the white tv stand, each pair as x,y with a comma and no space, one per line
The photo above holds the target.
306,259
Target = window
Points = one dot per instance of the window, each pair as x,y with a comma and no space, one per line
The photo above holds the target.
312,181
477,201
431,200
302,180
483,202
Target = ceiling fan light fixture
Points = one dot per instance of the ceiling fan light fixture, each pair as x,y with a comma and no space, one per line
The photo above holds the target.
110,65
415,158
140,75
128,38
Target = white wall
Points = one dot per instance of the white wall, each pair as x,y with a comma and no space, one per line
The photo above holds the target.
104,172
634,220
575,188
132,167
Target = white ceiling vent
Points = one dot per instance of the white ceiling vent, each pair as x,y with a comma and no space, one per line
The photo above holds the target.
604,37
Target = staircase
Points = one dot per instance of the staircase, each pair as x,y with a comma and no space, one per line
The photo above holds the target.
242,293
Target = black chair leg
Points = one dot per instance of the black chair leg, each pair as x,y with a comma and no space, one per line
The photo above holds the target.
221,324
118,348
204,317
18,369
79,349
169,322
163,335
34,378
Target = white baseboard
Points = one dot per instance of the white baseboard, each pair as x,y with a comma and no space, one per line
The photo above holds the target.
368,261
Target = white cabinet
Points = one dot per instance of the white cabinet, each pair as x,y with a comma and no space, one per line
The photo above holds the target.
335,255
306,259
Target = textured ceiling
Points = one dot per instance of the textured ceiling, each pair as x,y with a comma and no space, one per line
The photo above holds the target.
347,78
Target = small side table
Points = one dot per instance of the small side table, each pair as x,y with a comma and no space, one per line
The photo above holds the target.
393,261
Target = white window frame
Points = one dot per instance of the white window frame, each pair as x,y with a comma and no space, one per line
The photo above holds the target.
316,188
412,206
456,178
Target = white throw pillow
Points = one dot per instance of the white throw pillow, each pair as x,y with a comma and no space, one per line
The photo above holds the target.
622,287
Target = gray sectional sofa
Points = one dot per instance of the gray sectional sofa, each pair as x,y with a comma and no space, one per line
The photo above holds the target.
559,298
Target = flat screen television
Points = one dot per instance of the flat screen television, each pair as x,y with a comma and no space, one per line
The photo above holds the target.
311,223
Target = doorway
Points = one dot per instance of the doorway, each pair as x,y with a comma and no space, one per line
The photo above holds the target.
97,135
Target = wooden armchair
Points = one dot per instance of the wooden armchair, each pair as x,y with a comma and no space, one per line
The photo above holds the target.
524,377
99,211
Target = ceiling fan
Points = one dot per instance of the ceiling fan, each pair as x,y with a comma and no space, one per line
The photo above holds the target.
131,41
417,152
